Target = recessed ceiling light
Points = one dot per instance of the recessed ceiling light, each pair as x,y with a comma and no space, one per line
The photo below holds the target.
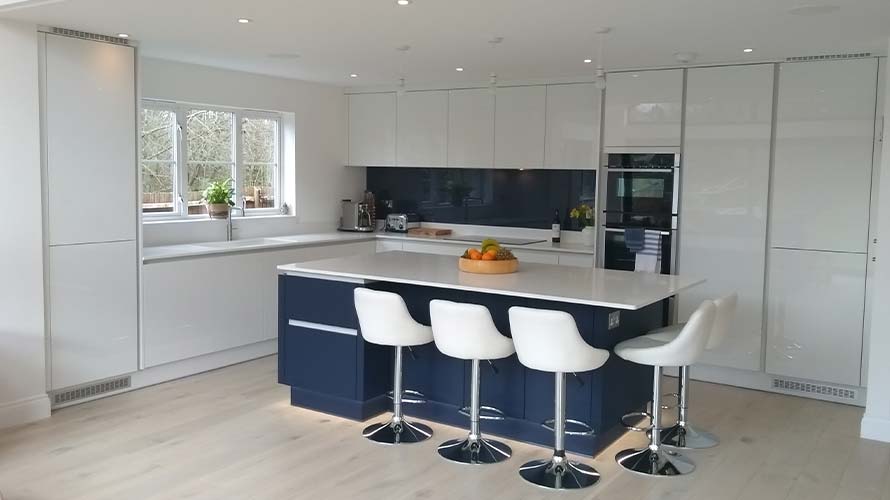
635,75
403,2
588,61
123,35
243,20
458,69
747,51
353,75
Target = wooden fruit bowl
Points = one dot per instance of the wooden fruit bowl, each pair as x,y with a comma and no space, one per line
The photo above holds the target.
487,266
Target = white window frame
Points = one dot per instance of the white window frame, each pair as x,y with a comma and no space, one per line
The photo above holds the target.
180,157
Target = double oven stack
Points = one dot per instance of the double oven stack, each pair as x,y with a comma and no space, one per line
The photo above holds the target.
641,197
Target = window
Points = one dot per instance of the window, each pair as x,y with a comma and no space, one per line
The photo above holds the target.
186,147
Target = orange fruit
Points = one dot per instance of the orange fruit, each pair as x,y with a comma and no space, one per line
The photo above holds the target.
475,254
489,256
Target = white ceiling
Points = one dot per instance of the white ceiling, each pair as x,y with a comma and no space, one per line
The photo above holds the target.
542,38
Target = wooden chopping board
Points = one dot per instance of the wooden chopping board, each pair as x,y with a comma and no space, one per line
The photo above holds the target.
428,232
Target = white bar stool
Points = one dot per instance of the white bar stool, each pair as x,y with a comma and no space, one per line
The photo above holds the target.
384,320
684,435
549,341
684,350
466,331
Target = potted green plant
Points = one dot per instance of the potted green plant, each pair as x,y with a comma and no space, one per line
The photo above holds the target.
219,197
583,214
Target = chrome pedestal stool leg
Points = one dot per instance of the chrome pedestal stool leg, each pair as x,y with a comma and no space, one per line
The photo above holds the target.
683,435
558,472
474,449
397,430
655,460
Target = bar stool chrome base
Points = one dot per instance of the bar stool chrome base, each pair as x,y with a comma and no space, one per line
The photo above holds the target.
392,432
474,451
687,437
657,462
559,473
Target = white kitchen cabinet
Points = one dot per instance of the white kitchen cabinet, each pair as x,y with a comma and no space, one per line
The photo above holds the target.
643,108
823,155
92,312
434,248
203,305
573,126
388,245
816,302
725,190
576,260
90,140
422,129
471,128
520,123
536,257
372,129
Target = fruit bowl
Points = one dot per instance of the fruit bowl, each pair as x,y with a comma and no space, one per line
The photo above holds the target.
488,266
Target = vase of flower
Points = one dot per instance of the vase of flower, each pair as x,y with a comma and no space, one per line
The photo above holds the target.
583,215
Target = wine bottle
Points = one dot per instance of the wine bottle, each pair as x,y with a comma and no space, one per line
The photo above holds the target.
555,227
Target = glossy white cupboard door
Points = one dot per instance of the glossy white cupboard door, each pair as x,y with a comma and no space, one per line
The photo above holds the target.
520,123
823,156
90,142
643,108
372,129
423,128
92,320
573,126
725,190
816,302
471,128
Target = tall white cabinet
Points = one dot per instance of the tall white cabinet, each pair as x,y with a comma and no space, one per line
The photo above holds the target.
644,109
422,129
820,219
372,129
89,146
573,126
725,190
471,128
520,121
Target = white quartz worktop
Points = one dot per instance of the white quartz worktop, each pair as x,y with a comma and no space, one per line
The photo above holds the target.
189,250
589,286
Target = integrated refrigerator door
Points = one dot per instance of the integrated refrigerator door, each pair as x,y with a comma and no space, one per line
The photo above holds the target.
816,303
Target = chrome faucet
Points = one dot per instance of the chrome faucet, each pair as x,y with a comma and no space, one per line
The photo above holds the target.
229,228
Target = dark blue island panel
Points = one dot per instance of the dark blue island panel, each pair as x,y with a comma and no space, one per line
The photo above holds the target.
329,368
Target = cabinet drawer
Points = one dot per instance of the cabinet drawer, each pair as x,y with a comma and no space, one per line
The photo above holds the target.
320,361
320,301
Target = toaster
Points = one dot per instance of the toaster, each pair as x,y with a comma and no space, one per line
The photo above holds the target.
401,223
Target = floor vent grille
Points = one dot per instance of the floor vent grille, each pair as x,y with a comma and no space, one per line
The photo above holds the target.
91,390
820,389
91,36
828,57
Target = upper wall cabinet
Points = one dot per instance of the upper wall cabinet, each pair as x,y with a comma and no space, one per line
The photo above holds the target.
372,129
823,156
471,128
573,126
725,186
520,123
423,129
644,108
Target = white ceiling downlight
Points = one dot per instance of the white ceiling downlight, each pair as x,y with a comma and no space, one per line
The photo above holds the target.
403,2
353,75
123,35
588,61
243,20
748,50
458,69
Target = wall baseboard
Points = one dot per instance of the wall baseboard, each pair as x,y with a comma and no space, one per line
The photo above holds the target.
875,428
24,411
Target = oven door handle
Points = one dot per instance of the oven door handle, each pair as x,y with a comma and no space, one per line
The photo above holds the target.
619,230
622,169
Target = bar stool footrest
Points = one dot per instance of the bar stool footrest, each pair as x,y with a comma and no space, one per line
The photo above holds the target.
670,395
587,430
410,397
636,415
485,413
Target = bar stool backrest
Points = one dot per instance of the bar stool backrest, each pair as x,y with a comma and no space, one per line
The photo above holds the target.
466,331
384,319
726,307
549,341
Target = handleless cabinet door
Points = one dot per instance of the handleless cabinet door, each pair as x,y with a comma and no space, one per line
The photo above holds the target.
823,157
423,129
372,129
725,188
816,301
520,122
471,128
644,108
573,126
90,155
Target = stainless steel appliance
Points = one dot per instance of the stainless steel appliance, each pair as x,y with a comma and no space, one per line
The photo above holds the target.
401,223
642,191
355,217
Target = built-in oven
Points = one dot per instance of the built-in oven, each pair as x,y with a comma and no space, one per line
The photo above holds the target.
617,255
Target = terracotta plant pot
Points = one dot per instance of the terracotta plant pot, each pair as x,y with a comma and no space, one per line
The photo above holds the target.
218,210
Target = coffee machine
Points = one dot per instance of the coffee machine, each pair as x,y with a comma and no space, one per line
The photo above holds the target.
355,217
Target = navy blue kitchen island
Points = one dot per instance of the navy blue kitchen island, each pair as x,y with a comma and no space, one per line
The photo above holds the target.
329,368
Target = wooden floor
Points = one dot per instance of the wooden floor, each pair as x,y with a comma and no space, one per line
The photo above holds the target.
231,434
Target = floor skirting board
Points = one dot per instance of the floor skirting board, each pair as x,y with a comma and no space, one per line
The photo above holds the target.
24,411
875,428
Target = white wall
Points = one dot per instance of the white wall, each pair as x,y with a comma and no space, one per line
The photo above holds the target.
319,150
876,422
22,350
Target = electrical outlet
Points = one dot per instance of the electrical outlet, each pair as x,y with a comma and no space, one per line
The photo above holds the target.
614,319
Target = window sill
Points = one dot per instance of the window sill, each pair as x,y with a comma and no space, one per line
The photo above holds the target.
197,219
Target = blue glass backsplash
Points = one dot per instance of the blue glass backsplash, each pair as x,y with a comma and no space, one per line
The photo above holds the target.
492,197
